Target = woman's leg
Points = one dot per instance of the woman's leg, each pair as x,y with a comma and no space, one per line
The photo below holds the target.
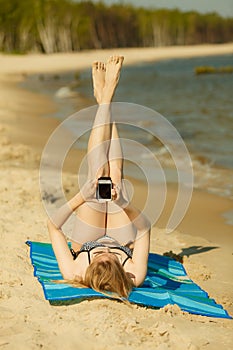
115,156
90,222
105,80
119,225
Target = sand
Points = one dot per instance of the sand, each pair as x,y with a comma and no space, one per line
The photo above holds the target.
35,63
203,237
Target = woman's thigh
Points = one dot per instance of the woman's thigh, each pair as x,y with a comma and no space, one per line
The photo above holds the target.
119,225
89,222
92,223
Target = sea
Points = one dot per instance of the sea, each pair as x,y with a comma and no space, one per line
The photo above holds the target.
199,107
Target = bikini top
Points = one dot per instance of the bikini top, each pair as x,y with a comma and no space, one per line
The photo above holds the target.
106,241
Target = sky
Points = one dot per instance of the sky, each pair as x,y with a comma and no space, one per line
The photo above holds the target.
223,7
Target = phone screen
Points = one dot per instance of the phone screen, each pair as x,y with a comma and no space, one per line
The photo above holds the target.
105,190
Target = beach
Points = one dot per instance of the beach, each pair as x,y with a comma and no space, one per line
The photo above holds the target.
203,237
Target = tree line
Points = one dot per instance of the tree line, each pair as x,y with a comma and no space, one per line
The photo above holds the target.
50,26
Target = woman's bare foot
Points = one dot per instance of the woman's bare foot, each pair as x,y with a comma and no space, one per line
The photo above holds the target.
112,75
98,76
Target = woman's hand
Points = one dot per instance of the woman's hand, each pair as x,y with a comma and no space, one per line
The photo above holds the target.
120,196
88,191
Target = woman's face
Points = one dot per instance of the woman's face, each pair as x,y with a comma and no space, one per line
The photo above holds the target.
105,253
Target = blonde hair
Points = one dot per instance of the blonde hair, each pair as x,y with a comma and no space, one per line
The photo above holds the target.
106,275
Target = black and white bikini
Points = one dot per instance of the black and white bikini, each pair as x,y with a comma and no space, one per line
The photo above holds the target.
104,241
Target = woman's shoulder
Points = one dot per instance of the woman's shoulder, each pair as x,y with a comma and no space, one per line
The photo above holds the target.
137,274
81,264
130,267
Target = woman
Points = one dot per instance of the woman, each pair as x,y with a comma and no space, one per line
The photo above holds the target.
110,241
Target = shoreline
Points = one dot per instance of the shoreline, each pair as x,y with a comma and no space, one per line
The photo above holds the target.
203,238
39,63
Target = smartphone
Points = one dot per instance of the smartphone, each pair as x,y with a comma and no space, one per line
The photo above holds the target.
104,189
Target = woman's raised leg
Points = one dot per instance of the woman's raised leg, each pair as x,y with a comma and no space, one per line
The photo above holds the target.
119,225
91,217
105,80
115,156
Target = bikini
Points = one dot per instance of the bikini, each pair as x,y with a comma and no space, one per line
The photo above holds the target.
105,241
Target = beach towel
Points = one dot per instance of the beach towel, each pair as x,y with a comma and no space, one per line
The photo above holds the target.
166,283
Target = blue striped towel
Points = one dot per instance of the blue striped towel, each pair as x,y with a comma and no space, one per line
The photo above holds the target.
166,283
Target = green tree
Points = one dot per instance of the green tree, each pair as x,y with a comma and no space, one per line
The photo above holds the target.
64,25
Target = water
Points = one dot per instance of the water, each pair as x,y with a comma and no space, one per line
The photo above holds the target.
199,107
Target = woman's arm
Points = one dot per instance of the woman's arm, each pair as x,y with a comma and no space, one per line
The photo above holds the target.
142,241
58,240
55,223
